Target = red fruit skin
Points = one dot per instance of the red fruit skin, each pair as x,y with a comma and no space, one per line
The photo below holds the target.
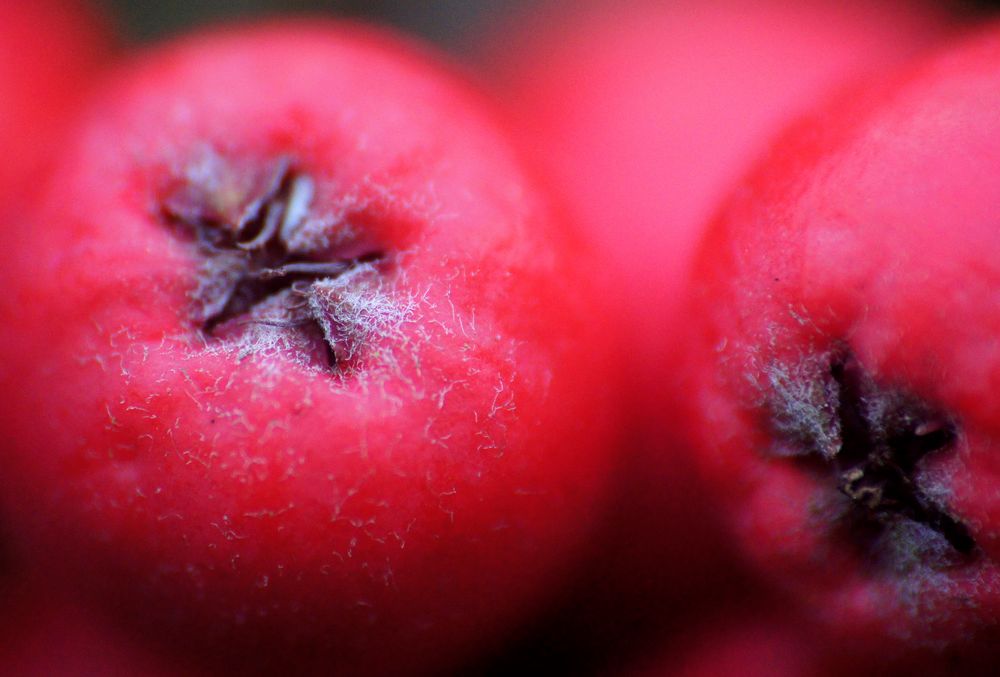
229,490
845,302
50,52
722,647
644,114
647,115
773,638
45,636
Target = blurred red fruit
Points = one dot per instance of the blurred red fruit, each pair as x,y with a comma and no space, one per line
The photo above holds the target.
50,51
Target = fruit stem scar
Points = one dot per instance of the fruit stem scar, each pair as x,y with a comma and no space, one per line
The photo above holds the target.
318,269
246,222
881,434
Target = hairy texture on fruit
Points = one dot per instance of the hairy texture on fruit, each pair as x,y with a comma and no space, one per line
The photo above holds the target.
843,381
328,375
644,114
268,261
872,438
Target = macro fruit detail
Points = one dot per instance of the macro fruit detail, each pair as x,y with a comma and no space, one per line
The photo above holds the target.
843,359
326,372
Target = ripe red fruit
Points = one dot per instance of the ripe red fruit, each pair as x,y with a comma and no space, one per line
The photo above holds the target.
845,359
50,51
306,373
645,113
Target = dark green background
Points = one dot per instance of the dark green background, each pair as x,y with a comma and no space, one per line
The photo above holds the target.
446,22
443,21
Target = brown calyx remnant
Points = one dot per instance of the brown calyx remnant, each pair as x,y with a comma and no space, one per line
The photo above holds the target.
260,244
836,418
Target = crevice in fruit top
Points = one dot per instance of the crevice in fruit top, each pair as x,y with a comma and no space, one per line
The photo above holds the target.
835,418
266,259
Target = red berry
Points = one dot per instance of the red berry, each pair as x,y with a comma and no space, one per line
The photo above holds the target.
644,114
845,362
305,371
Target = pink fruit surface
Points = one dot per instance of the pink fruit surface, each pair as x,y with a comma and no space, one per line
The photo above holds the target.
845,358
644,113
647,112
307,374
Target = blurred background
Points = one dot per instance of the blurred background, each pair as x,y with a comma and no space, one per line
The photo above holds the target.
446,22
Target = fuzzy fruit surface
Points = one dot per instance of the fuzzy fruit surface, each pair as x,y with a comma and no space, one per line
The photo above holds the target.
846,358
644,114
304,368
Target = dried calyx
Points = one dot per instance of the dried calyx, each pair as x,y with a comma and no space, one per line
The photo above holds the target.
871,438
261,246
